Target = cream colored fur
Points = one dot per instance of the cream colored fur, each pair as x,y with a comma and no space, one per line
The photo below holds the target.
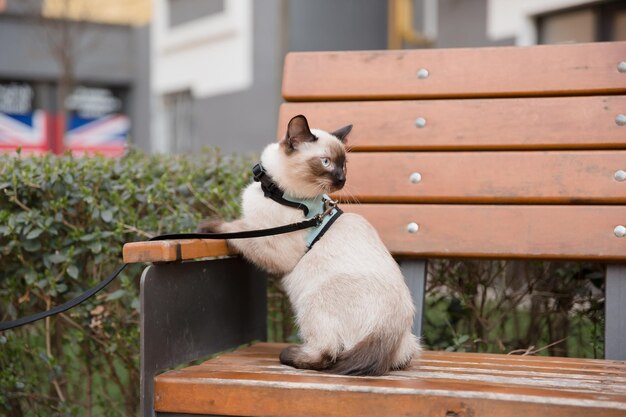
347,287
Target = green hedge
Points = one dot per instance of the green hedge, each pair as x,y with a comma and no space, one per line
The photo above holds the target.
63,222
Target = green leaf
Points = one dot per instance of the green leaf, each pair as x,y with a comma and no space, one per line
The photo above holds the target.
57,258
72,271
34,234
31,245
30,277
116,294
96,247
88,237
107,216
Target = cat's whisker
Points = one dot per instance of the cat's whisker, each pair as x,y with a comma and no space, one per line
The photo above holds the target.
346,195
350,197
319,187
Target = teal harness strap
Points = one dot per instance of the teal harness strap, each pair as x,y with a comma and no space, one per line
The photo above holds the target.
316,207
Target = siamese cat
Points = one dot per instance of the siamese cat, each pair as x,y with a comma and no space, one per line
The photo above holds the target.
352,306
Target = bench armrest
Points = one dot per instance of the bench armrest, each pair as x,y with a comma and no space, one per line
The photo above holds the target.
174,250
192,309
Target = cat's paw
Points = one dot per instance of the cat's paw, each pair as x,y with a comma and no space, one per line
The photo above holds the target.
211,226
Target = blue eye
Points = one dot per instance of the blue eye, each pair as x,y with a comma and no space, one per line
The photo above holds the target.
325,162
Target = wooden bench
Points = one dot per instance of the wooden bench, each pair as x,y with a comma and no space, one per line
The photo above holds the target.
491,153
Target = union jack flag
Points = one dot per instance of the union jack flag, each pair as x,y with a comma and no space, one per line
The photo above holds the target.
26,131
107,135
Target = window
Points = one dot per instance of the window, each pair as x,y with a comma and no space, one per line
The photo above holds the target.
178,121
605,21
183,11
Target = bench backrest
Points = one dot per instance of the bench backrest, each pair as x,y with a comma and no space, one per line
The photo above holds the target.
490,152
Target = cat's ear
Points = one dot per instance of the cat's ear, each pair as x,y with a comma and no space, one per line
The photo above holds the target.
342,133
298,132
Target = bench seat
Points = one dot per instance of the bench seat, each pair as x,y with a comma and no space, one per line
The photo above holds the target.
496,153
251,382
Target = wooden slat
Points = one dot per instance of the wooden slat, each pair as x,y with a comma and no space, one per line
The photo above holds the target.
252,382
562,177
529,123
487,72
263,351
174,250
505,231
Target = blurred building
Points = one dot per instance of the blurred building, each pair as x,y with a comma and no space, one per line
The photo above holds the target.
74,74
182,74
217,64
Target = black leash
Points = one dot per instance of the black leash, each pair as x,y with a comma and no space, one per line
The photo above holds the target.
62,307
312,222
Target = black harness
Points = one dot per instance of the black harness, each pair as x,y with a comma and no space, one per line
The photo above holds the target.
325,209
273,191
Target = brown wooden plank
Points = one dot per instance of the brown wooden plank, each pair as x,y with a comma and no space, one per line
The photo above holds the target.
574,376
504,231
413,378
476,362
511,374
542,383
261,386
489,72
562,177
549,362
483,231
260,352
219,398
174,250
513,123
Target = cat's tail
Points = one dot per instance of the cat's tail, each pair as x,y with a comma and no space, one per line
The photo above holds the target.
372,356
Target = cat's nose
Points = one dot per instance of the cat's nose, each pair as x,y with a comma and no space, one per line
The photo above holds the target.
339,178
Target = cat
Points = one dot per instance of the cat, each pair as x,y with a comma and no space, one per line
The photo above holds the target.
352,306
